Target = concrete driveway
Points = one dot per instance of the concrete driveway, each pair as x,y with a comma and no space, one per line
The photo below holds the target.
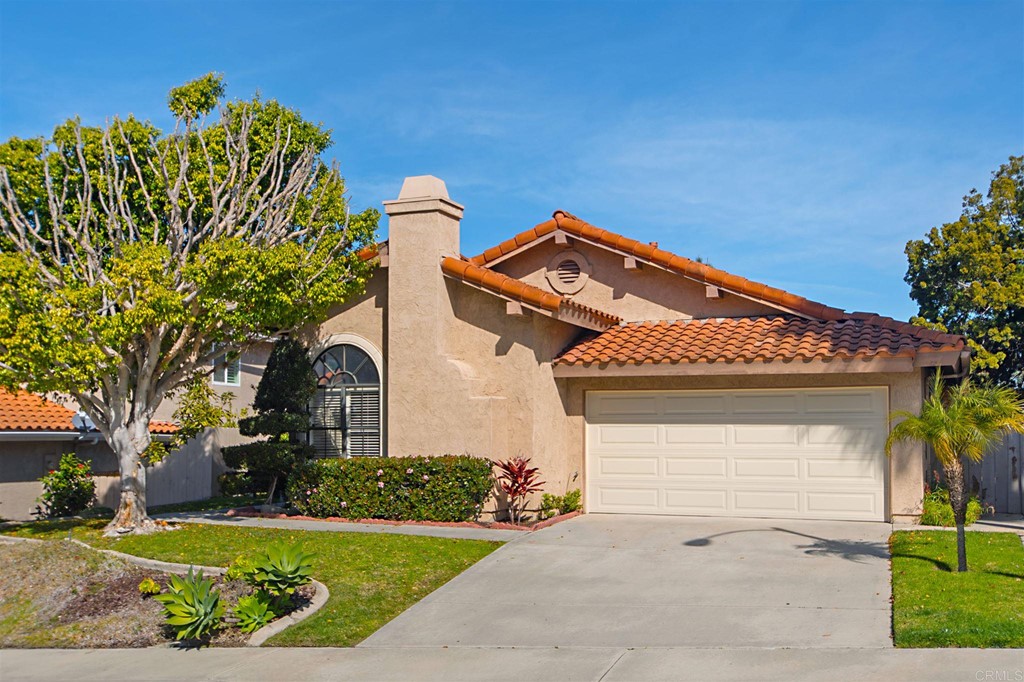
650,581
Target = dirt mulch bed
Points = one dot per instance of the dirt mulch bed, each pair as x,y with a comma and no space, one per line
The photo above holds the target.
59,594
253,512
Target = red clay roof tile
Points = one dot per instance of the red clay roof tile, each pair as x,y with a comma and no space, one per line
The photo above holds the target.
755,339
510,287
24,411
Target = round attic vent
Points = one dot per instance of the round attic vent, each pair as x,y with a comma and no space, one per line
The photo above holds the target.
568,272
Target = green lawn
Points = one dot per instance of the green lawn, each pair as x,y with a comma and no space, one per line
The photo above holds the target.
934,606
372,577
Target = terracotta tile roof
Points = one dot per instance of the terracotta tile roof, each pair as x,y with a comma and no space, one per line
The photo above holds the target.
24,411
517,290
670,261
756,339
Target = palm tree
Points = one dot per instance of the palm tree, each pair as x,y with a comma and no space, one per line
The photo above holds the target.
956,422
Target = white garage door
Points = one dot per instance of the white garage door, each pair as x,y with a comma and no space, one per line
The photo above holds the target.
816,453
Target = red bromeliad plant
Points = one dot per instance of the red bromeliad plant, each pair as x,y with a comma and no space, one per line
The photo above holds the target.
517,479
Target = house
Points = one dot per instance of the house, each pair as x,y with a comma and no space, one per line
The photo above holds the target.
657,384
35,432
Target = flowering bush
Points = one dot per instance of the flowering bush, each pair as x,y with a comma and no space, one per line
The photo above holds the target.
68,489
449,488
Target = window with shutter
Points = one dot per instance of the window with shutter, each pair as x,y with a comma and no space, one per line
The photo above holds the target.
227,370
345,413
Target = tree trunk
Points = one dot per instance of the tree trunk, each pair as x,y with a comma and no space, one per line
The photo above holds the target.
131,516
958,501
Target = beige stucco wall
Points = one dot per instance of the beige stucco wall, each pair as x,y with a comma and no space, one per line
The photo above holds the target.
648,293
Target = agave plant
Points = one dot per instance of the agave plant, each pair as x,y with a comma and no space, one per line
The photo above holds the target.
517,479
254,611
191,605
281,569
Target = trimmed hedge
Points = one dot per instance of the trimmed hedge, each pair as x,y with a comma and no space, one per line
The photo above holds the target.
449,488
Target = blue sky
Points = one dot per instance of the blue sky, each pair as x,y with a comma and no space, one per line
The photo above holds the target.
798,144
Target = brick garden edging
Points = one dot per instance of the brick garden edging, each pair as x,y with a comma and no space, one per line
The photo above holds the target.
319,598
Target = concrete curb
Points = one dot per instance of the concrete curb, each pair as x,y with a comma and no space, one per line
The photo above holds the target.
165,566
320,595
296,616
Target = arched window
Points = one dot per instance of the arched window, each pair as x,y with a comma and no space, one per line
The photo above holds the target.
346,410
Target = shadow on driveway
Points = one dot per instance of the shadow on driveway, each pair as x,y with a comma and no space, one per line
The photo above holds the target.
851,550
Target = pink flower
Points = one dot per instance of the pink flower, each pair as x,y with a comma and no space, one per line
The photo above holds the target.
344,504
309,492
380,484
409,470
425,477
380,472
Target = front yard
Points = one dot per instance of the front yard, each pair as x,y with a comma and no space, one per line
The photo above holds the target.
372,577
934,606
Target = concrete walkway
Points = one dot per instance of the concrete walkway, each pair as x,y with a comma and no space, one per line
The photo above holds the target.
611,664
455,532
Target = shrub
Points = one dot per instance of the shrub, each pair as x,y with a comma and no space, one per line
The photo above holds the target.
449,488
938,511
242,484
282,397
552,505
241,568
281,569
254,611
149,587
191,606
68,489
517,479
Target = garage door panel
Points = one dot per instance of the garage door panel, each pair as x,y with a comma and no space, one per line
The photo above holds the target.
812,453
766,434
694,404
765,403
628,435
761,467
865,437
695,435
629,466
697,500
696,467
644,500
612,406
848,403
860,470
843,503
767,502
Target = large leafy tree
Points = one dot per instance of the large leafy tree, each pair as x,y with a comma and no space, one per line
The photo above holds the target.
968,276
130,259
959,422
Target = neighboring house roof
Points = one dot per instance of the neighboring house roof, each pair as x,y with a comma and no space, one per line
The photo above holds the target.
757,339
521,292
24,411
652,254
